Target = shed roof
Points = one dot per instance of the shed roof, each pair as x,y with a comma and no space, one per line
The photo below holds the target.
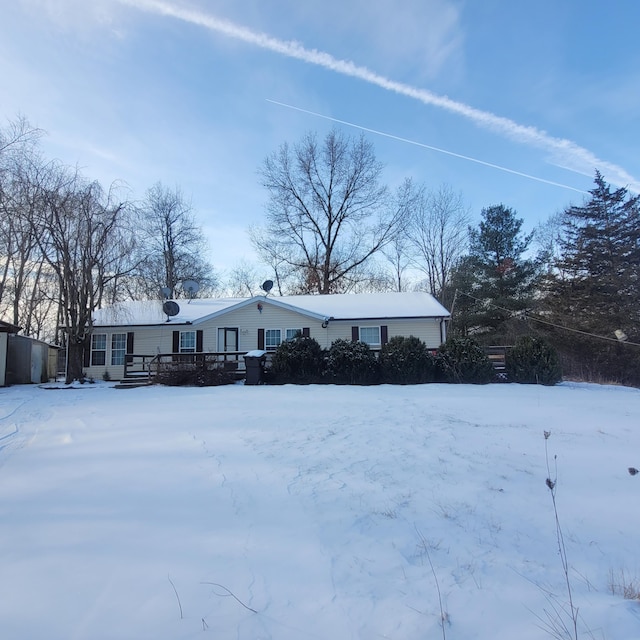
349,306
8,327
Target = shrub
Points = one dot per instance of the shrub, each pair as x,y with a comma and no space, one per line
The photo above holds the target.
462,360
297,361
533,361
406,361
351,363
191,375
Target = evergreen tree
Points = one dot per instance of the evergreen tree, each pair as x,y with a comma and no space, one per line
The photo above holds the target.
460,289
600,260
595,287
498,276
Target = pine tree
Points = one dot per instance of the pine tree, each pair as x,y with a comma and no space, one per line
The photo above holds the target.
498,275
595,288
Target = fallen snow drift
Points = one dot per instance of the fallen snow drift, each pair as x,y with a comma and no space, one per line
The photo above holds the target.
316,512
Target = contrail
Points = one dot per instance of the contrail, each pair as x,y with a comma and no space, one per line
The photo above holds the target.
427,146
565,152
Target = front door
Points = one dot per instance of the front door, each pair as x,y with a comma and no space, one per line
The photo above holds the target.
228,342
227,339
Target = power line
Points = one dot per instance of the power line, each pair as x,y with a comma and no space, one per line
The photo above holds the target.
527,316
427,146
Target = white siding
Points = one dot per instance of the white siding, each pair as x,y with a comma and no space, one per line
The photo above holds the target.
154,340
248,319
428,330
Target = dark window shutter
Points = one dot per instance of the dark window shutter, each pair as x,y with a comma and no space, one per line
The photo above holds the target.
261,339
199,340
86,358
176,342
129,347
306,332
384,334
355,334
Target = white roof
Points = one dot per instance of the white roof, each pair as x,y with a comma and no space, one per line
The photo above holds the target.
348,306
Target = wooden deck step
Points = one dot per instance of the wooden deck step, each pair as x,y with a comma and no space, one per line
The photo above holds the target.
133,383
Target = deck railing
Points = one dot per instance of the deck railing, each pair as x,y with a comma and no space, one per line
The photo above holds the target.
230,361
146,366
136,365
498,355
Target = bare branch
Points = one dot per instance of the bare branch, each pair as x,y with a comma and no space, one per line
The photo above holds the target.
328,212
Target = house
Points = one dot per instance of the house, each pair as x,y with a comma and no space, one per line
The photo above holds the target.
130,335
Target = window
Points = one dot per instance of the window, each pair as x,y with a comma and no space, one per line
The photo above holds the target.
187,342
290,334
98,349
118,348
370,335
272,338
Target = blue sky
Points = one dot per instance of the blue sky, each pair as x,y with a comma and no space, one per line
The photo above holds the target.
187,92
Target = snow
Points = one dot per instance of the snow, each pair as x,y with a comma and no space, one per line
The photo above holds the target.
350,306
150,312
336,306
322,509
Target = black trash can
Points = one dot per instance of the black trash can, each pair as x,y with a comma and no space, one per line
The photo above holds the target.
254,362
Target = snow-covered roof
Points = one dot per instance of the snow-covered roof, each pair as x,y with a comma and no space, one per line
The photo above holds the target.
350,306
347,306
149,312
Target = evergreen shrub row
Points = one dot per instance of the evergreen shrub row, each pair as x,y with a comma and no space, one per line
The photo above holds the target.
462,360
193,375
533,361
407,360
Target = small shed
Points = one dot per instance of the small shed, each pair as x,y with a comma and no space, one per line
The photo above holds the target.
28,360
6,329
24,360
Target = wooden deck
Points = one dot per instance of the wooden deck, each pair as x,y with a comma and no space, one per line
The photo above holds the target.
498,356
141,369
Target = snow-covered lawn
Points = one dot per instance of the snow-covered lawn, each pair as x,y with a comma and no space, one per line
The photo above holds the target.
330,513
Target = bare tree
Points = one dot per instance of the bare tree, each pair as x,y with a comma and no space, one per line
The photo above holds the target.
81,232
397,254
17,136
243,280
373,276
172,244
22,265
276,254
439,231
548,240
328,212
399,251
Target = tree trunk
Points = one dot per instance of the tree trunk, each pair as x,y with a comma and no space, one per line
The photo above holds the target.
75,360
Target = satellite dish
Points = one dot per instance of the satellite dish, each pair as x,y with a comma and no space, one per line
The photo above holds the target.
165,293
267,285
171,308
191,287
